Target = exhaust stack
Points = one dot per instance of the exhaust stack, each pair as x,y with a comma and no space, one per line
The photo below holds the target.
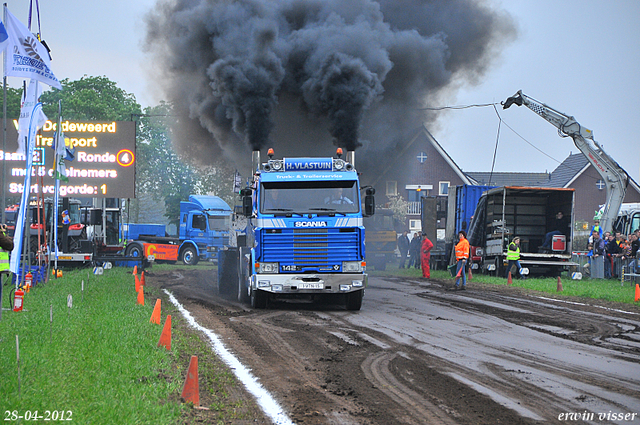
255,161
351,158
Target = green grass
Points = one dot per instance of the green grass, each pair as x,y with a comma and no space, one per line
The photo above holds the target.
602,289
102,363
98,359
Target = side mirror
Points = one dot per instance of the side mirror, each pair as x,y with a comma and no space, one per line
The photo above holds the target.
369,202
247,202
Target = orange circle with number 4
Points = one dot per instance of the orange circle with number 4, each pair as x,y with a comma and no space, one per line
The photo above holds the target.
125,157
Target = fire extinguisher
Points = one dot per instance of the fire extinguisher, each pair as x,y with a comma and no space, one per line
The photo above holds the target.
17,301
28,279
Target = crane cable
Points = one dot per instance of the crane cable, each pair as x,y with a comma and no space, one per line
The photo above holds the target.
500,122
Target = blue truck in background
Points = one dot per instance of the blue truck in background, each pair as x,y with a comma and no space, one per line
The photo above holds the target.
203,231
299,234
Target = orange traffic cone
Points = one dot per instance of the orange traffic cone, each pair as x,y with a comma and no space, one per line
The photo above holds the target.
141,296
509,279
191,388
559,285
135,270
165,336
459,273
137,283
637,293
155,316
142,278
470,275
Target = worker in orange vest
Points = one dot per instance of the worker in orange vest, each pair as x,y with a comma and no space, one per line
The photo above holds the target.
426,256
462,256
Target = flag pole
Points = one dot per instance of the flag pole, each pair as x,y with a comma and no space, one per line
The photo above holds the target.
4,121
56,195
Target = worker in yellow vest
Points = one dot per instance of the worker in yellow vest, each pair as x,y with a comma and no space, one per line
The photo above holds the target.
6,243
513,257
6,246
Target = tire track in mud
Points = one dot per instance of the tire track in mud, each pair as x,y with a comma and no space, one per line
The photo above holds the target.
327,368
417,409
587,324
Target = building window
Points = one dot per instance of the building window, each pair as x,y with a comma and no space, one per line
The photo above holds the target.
444,188
600,184
392,188
415,195
422,157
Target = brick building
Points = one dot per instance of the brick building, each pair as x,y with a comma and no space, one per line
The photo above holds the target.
423,168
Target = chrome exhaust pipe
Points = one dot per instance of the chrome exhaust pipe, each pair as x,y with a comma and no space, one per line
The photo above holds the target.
351,158
255,161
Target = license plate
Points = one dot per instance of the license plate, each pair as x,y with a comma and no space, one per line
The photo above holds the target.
310,286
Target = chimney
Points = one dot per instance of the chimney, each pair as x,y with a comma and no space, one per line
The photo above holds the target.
255,161
351,158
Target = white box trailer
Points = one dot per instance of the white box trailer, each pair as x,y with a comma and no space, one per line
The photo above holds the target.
528,212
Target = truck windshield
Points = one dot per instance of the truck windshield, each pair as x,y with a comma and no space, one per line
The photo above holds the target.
315,197
219,223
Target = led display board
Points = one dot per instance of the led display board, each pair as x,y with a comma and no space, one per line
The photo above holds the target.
103,167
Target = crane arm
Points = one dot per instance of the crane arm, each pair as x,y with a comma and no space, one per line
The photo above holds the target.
612,174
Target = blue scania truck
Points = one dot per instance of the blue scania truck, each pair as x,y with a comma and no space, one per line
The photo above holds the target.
299,233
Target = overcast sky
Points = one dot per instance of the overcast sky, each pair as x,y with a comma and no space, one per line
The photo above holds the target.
580,57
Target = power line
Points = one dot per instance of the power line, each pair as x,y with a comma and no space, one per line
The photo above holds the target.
440,108
500,122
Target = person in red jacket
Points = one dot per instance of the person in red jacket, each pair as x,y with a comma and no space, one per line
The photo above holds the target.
425,254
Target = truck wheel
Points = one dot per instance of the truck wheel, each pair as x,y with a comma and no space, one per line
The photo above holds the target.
354,300
500,271
189,256
258,299
134,250
243,276
227,273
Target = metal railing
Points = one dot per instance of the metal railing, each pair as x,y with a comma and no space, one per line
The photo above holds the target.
414,208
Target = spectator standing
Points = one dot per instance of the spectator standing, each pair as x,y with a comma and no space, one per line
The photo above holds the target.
403,247
425,253
633,254
597,259
414,250
612,253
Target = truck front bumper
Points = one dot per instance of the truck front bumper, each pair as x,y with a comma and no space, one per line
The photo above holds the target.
309,283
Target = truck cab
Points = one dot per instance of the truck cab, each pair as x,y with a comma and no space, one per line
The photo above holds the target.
204,227
304,233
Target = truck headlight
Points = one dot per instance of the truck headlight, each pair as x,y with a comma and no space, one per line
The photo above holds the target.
479,252
352,266
267,267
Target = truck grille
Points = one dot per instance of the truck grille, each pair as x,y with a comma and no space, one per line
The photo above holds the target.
313,247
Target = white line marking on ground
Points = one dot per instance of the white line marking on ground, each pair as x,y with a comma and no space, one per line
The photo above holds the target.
571,302
266,402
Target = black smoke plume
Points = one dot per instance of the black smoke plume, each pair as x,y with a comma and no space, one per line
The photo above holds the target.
299,74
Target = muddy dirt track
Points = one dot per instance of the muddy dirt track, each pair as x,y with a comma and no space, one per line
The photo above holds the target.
418,353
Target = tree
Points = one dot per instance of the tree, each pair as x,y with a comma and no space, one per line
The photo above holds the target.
399,207
167,174
90,99
14,98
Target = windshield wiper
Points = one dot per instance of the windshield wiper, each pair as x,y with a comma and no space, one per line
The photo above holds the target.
329,210
287,212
